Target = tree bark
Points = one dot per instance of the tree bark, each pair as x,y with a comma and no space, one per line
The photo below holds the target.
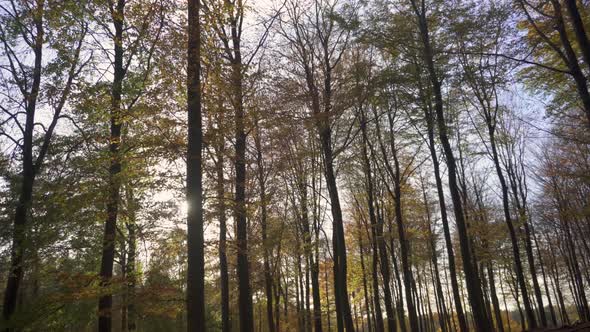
572,61
511,229
264,226
131,269
495,301
432,242
23,208
245,294
195,292
108,248
473,284
221,215
579,30
377,225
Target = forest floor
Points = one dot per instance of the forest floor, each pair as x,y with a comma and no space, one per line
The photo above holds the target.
568,328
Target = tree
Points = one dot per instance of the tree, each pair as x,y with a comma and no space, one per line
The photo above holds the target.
194,178
32,26
473,284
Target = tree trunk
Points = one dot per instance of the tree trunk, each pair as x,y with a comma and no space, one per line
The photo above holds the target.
245,294
438,287
473,284
195,291
108,248
572,60
312,263
400,304
545,282
445,221
579,30
491,124
23,208
338,242
223,269
377,225
365,288
131,270
264,226
495,302
404,243
379,326
521,206
343,313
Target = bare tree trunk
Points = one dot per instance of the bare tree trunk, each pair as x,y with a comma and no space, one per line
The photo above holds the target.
365,289
264,226
379,326
23,208
521,205
473,284
312,264
545,282
400,305
572,60
579,30
105,302
221,215
494,296
195,291
490,121
434,260
443,212
377,226
131,270
245,294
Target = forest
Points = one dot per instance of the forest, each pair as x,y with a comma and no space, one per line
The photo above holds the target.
295,165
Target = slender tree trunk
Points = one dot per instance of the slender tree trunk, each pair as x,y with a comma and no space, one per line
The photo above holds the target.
338,242
400,305
521,206
105,302
386,275
562,205
553,270
328,312
579,30
312,263
446,229
221,215
515,290
30,90
131,270
494,296
379,326
577,275
434,261
377,225
505,303
394,173
277,301
429,119
195,291
124,295
473,284
511,229
245,294
545,282
365,289
572,59
264,226
404,242
23,208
